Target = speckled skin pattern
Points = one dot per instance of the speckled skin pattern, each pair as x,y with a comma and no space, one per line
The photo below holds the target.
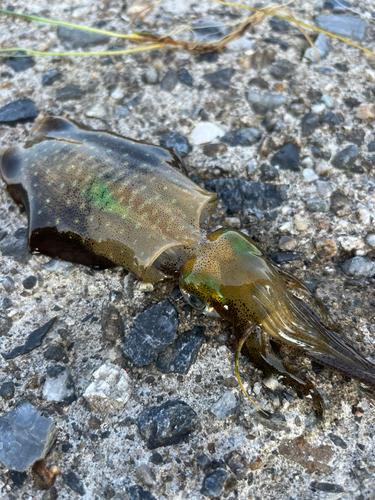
100,199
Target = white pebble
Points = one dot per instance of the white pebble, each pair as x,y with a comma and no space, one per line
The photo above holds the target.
271,383
308,162
327,100
350,243
309,175
323,168
117,94
370,240
364,216
301,222
318,108
205,132
286,227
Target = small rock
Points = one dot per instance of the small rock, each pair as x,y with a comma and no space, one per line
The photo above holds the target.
19,110
176,141
370,240
98,110
220,80
330,118
327,487
280,257
20,63
348,26
30,282
167,424
153,331
326,248
16,246
301,222
169,80
110,389
359,267
25,437
268,173
364,216
136,492
317,205
8,284
279,25
309,123
185,77
309,175
321,45
322,168
287,158
262,103
6,303
52,76
69,92
33,341
225,406
179,356
73,38
145,475
340,205
313,458
327,100
365,112
318,108
150,76
6,324
135,101
338,441
213,150
213,483
55,353
337,6
237,463
242,137
59,385
271,383
287,243
74,482
7,390
282,69
346,158
205,132
111,323
208,31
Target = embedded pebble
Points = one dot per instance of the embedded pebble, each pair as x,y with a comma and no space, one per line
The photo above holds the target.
340,205
287,158
321,45
318,108
327,487
225,406
345,158
359,267
74,482
326,247
237,463
69,92
301,222
110,389
365,112
7,390
213,483
262,103
213,150
364,216
19,110
309,123
287,243
29,282
55,352
111,323
166,424
153,331
271,383
25,436
323,188
169,80
185,77
220,80
208,31
337,440
179,356
97,111
205,132
350,243
136,492
317,205
322,168
16,246
52,76
8,284
337,6
145,475
19,63
348,26
282,69
176,141
73,38
59,385
309,175
242,137
6,324
150,76
370,240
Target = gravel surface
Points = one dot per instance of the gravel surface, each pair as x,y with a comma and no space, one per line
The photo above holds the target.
304,129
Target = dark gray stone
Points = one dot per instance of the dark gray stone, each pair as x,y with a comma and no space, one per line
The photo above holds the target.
169,80
111,323
359,267
346,158
330,117
169,423
213,483
153,331
242,137
6,303
348,26
73,38
279,25
56,353
179,356
282,69
338,441
8,284
6,324
309,123
237,463
256,197
280,257
176,141
287,158
261,103
20,63
30,282
74,482
16,246
340,205
327,487
51,77
136,492
185,77
7,390
19,110
208,31
33,340
69,92
25,437
220,80
371,146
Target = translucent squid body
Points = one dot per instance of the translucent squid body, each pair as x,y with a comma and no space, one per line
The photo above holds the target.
100,199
